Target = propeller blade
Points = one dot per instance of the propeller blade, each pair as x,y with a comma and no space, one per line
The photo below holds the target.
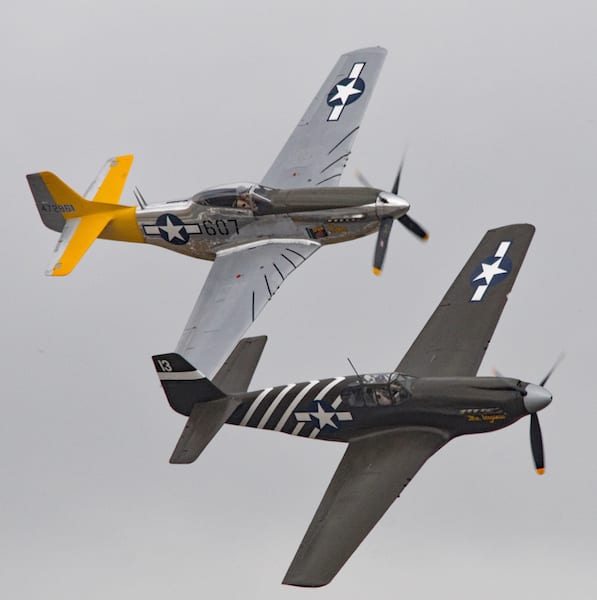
381,245
537,444
413,226
550,372
362,179
409,223
397,180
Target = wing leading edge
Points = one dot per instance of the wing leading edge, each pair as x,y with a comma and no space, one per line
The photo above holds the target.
454,340
371,475
240,283
317,150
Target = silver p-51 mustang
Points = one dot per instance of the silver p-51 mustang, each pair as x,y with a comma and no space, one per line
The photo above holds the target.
256,234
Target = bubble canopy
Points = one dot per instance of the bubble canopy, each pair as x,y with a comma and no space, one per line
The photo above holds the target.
236,195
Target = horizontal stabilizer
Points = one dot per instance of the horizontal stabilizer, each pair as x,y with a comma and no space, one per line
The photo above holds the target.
237,371
205,421
82,221
75,239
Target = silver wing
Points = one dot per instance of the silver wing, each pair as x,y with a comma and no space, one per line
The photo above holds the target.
318,149
372,473
240,283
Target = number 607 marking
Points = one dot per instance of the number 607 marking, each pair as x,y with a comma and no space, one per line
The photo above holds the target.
219,226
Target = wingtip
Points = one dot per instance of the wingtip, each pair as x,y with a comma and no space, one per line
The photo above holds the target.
292,579
58,270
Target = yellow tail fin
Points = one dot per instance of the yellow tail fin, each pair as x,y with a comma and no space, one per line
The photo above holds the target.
81,221
111,188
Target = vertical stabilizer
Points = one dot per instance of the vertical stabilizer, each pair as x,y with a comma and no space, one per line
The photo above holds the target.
237,371
82,221
189,392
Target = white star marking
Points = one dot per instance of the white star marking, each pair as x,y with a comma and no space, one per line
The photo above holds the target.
324,418
490,270
171,230
344,92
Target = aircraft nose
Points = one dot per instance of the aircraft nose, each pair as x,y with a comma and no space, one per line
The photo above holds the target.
537,398
391,205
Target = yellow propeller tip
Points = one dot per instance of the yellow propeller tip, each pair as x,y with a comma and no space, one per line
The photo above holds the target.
425,237
376,271
540,471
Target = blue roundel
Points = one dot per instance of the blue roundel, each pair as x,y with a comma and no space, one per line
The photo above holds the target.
346,91
172,229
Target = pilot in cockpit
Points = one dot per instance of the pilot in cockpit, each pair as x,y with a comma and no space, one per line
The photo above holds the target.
244,201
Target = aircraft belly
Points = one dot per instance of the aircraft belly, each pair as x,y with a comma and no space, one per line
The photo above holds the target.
195,249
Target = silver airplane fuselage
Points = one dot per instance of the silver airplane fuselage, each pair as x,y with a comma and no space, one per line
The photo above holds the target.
228,216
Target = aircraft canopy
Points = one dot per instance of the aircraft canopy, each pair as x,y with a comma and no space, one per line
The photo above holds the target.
377,389
240,195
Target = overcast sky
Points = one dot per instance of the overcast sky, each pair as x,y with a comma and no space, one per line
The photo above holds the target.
496,103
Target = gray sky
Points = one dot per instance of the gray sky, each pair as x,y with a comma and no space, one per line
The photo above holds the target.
496,104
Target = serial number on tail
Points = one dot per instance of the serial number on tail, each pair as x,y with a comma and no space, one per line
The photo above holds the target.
58,208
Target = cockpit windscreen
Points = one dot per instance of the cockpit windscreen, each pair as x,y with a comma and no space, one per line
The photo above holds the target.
378,389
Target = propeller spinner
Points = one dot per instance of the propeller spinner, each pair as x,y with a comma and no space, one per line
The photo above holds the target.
536,398
387,204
